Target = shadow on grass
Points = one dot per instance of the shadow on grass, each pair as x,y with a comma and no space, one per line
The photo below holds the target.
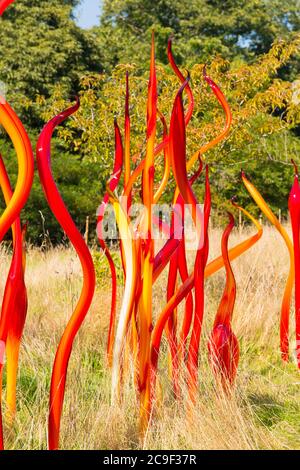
267,410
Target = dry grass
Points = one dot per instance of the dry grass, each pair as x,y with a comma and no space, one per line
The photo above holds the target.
264,412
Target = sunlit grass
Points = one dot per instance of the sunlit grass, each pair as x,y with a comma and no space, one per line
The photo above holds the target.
263,413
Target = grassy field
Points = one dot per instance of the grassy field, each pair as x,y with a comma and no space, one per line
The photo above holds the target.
264,412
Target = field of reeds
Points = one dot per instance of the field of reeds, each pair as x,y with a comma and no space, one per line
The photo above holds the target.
263,412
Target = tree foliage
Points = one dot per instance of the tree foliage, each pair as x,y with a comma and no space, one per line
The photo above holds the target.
202,28
265,116
40,46
79,183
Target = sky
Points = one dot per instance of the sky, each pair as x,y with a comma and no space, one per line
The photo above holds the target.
87,14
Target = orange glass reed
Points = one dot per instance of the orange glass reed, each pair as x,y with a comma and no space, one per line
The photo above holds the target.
56,204
4,4
15,204
223,346
14,304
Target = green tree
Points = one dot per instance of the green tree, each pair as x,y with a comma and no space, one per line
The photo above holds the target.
79,184
40,46
202,28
